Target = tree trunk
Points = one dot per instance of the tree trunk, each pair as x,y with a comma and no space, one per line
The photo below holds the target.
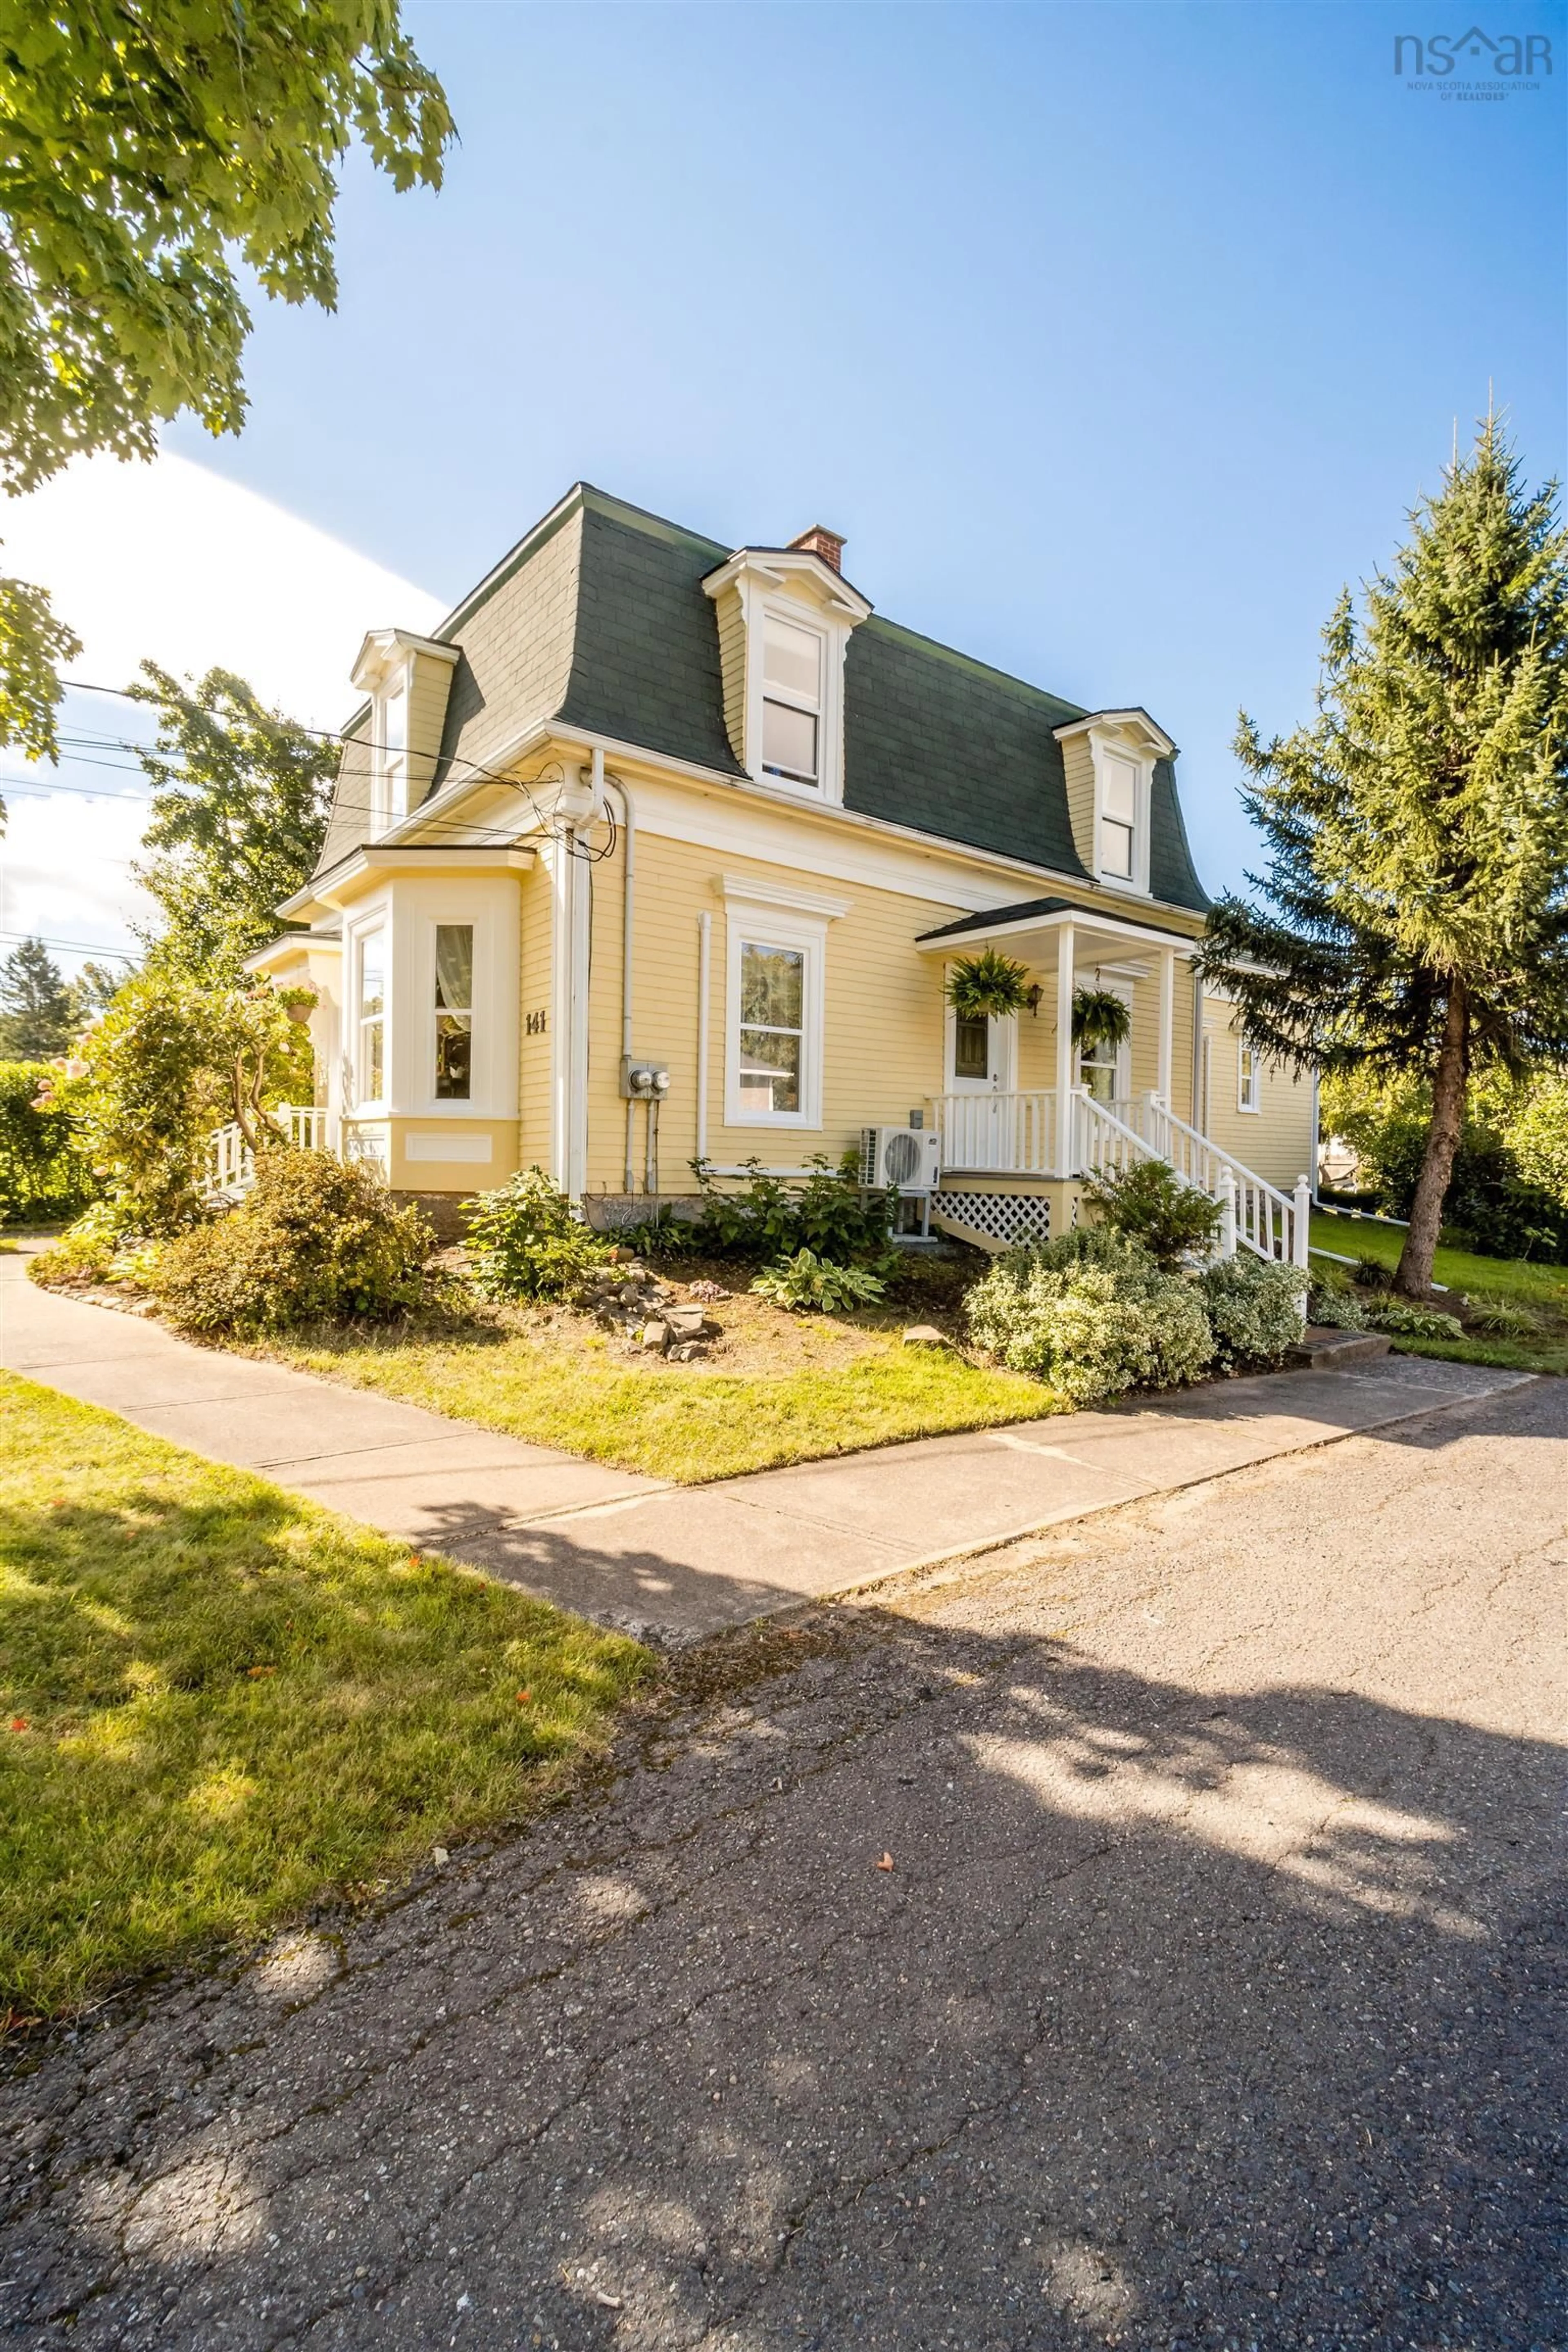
1450,1082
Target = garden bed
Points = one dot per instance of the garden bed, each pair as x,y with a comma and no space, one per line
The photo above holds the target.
771,1387
1472,1287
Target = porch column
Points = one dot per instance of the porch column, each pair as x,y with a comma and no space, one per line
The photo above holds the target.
1167,1024
1063,1160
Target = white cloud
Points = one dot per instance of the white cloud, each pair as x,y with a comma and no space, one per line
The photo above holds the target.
170,563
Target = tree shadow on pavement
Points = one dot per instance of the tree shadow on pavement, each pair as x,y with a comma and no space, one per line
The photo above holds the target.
1178,2020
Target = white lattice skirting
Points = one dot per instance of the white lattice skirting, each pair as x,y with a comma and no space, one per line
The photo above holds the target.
1004,1216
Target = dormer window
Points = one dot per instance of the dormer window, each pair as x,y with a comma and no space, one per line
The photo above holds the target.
1108,760
389,724
792,700
783,616
1119,819
407,678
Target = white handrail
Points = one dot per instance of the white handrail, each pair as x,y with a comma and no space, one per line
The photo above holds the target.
1102,1142
231,1163
1273,1224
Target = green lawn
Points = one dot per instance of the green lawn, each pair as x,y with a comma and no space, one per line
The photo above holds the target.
689,1424
1503,1278
1542,1287
218,1704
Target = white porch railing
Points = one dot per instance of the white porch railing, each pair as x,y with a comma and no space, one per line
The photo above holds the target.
1008,1134
1015,1134
231,1163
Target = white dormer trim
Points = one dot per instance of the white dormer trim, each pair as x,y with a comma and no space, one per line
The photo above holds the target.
385,668
803,591
1117,740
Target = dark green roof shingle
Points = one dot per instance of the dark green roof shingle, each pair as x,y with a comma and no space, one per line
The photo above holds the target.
598,619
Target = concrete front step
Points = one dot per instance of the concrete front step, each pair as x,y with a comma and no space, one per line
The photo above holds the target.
1321,1349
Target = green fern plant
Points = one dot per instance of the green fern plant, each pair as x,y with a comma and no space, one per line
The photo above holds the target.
1101,1017
988,986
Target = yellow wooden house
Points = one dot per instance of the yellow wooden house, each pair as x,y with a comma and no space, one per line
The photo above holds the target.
659,851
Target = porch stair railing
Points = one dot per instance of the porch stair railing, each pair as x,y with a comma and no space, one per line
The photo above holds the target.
1015,1135
230,1168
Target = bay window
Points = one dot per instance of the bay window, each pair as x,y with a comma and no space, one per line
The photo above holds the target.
370,1056
453,1058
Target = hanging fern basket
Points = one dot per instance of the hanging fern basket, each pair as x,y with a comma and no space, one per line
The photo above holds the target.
988,986
1100,1019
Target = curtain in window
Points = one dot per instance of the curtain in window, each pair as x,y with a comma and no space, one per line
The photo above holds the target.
454,1011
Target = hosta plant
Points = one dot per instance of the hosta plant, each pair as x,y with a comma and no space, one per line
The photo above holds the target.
806,1280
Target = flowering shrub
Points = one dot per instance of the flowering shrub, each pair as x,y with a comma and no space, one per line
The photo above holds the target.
43,1174
525,1241
312,1239
807,1280
1093,1316
1332,1302
1254,1307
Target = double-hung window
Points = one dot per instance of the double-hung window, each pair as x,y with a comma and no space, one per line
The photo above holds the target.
454,1075
1248,1079
772,1029
370,1056
1119,819
390,755
792,701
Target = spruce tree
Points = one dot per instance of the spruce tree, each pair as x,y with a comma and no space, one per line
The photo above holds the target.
1413,916
37,1010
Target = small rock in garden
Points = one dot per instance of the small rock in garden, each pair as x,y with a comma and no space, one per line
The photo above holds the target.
926,1335
706,1290
656,1337
631,1294
687,1322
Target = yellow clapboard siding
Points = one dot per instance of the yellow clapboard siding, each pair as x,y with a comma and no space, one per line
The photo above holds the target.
883,1037
1276,1142
535,968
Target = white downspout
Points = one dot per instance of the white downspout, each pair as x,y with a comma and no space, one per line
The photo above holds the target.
704,985
1198,1105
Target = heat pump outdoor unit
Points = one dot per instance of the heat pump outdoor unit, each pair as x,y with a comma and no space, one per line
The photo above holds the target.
905,1158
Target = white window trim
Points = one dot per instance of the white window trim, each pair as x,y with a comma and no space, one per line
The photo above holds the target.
788,697
802,611
389,768
1248,1097
764,924
1124,989
381,928
459,1106
1101,748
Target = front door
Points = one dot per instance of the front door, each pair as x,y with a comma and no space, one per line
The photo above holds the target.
981,1057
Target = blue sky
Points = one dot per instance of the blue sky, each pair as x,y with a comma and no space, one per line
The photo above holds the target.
1114,338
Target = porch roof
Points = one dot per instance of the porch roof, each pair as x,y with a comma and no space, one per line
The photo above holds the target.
1050,915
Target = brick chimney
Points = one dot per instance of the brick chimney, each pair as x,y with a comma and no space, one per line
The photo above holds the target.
818,541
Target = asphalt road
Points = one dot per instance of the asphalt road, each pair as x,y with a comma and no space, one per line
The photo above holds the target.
1207,2002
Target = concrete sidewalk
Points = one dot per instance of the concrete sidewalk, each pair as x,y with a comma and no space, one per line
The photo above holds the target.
676,1563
